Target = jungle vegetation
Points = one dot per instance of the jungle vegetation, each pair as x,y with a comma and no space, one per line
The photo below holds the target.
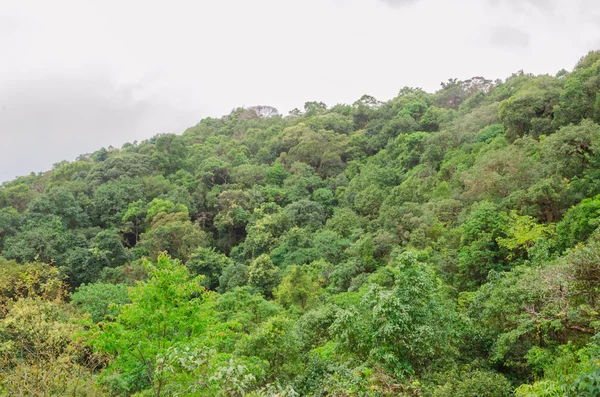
436,244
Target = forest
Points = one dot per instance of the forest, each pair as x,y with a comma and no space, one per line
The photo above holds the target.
436,244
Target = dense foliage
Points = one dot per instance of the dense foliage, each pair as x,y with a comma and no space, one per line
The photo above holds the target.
437,244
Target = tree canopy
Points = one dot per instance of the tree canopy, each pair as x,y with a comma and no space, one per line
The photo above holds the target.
435,244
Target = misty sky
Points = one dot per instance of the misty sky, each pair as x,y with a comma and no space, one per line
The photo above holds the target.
79,75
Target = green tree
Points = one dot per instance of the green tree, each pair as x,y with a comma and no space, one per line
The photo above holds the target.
275,342
29,280
522,235
475,383
296,288
133,221
568,152
39,354
17,195
85,264
532,106
208,263
305,213
10,222
174,233
170,310
101,301
110,200
45,240
276,174
579,98
158,206
234,275
578,223
263,274
480,252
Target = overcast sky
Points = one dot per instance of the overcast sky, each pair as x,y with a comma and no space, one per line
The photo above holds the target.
79,75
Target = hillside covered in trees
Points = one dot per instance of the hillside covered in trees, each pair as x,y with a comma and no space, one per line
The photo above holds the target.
437,244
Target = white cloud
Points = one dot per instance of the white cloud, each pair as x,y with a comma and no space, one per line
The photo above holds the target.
70,61
396,3
56,117
509,37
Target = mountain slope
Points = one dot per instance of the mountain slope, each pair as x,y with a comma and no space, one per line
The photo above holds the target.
434,244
